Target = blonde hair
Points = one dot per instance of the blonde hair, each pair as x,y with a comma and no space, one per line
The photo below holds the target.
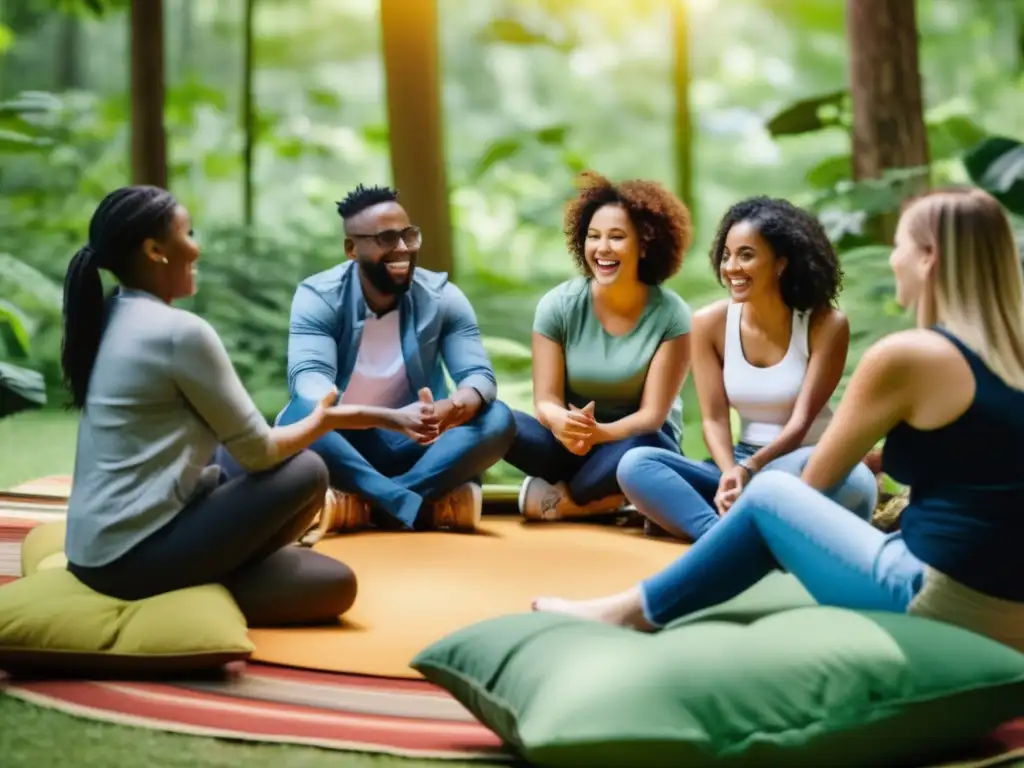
979,283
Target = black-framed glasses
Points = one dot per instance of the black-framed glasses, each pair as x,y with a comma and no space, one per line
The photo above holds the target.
388,238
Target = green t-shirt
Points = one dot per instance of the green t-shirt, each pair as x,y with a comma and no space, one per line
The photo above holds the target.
610,370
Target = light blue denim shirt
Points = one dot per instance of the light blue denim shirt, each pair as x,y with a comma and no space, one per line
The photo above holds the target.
436,322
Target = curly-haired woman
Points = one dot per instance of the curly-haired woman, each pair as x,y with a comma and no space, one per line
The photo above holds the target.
611,350
774,351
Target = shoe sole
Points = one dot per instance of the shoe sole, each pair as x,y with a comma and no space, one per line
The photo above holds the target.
521,503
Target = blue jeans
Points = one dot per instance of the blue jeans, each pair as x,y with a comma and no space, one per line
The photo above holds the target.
397,474
678,493
781,522
537,453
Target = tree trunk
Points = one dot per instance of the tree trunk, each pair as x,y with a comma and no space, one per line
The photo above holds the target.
68,55
885,83
248,119
415,123
149,142
683,121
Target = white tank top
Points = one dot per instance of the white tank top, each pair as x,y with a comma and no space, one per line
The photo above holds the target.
764,397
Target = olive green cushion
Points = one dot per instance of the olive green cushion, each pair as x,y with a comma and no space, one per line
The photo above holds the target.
736,686
42,542
51,622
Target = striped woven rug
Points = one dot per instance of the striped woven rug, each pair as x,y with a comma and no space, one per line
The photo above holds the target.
409,718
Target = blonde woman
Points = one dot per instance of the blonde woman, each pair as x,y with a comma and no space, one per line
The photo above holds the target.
956,556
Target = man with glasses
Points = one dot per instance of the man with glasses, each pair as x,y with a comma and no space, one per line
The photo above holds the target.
378,329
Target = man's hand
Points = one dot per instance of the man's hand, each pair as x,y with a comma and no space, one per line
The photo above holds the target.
456,410
417,420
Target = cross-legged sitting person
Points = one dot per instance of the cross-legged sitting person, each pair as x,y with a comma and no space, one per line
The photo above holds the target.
611,350
948,397
382,331
775,351
150,511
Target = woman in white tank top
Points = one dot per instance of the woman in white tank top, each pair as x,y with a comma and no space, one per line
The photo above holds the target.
774,351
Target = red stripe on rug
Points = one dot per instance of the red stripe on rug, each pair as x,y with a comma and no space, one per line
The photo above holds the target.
16,528
1011,735
166,707
205,698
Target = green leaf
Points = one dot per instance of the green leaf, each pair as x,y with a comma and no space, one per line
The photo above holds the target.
514,32
376,135
997,166
574,162
30,102
13,141
553,135
220,166
950,136
13,332
808,115
6,38
323,97
830,171
20,389
502,149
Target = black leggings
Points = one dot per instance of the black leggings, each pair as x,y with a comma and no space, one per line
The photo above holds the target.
238,535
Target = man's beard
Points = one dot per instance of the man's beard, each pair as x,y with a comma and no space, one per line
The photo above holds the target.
378,276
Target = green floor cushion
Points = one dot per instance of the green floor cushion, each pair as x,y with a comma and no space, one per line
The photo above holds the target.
42,542
51,623
806,685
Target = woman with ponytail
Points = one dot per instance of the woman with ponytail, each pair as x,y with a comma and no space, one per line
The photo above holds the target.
151,509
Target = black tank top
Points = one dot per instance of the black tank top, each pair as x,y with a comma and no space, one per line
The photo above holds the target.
965,515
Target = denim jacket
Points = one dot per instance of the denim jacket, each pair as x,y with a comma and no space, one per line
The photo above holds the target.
437,324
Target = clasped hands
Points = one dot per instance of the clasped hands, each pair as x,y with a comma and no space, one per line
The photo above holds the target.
730,486
577,429
424,420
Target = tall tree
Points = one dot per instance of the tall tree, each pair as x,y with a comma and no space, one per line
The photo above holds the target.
415,122
248,118
885,85
683,120
149,140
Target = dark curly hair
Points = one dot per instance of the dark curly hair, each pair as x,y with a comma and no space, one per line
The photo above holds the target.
661,220
361,198
813,277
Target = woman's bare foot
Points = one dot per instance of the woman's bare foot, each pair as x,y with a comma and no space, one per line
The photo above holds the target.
540,500
622,610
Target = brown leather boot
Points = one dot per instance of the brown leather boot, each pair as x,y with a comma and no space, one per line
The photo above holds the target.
458,510
341,512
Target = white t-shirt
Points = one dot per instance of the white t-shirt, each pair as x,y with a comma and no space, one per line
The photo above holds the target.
379,377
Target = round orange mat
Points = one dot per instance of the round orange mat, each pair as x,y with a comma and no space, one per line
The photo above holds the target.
415,588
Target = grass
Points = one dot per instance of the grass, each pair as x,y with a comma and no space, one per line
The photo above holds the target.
42,443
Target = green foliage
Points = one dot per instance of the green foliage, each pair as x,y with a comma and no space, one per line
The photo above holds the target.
514,32
14,339
534,90
812,114
997,165
20,389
